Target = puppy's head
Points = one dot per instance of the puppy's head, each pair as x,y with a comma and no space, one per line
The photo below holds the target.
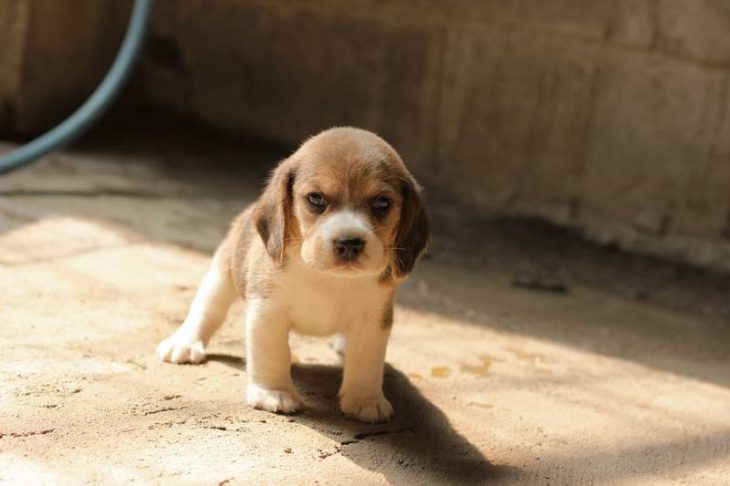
346,204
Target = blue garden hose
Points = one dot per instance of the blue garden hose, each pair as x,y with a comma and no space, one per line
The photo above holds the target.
84,117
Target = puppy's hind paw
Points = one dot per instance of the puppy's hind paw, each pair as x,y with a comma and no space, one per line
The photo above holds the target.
181,349
277,401
367,409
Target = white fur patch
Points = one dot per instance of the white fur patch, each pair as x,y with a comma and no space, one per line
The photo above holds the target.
318,249
345,223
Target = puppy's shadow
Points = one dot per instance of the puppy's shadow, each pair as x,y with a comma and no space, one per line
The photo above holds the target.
418,445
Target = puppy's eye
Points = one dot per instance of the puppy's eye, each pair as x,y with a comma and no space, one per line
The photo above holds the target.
380,204
316,200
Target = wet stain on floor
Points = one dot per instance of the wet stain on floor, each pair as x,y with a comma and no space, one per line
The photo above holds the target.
481,369
440,371
534,358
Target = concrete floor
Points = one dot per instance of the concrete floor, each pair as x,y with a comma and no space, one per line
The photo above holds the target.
624,378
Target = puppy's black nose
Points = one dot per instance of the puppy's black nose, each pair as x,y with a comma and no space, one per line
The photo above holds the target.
348,248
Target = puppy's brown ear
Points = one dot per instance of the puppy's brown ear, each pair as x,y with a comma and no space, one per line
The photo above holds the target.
413,231
273,213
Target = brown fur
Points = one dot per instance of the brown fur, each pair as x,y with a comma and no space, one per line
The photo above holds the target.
350,166
388,315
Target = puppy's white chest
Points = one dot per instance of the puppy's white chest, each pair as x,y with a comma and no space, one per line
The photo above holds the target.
322,306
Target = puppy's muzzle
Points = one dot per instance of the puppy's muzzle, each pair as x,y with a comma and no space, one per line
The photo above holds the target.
348,248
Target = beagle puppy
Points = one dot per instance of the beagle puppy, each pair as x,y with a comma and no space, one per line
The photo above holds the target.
339,226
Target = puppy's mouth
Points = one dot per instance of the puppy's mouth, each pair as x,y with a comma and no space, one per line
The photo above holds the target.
347,267
351,269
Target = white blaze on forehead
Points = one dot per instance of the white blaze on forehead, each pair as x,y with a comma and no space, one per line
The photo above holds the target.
345,223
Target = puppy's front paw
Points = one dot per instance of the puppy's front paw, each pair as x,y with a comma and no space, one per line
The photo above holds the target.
277,401
366,408
180,348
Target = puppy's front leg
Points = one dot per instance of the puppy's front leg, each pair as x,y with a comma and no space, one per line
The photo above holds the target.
268,358
207,312
361,394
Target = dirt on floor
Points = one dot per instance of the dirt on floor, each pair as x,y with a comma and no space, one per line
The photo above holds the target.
519,355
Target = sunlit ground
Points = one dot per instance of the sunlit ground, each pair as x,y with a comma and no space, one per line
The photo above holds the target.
100,253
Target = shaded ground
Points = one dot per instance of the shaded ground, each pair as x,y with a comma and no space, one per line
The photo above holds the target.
621,377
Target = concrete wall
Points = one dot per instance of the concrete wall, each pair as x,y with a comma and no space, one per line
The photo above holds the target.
53,53
611,116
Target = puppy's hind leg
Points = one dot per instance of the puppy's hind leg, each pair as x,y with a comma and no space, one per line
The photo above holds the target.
207,313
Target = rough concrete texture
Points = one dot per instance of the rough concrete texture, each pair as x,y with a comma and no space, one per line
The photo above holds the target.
100,253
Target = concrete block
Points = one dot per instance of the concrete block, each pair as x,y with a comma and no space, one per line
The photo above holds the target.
696,31
58,52
655,125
